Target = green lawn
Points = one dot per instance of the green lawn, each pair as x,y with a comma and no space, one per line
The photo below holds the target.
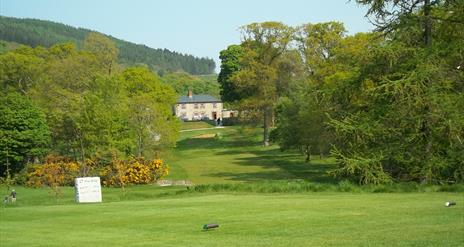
233,167
150,216
238,156
196,125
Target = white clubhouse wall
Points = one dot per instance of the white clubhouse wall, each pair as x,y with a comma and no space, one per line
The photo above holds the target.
188,111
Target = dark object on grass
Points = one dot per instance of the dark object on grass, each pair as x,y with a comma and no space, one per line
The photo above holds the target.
210,226
449,204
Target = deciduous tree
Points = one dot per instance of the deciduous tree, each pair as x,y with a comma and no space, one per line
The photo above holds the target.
24,134
264,44
104,49
150,111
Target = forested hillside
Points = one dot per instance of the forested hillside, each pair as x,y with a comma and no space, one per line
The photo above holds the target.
34,32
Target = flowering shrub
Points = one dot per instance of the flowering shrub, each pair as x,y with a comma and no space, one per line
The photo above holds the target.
52,174
59,172
134,171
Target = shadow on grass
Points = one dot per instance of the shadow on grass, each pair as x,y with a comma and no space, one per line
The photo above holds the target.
245,149
215,142
289,166
197,143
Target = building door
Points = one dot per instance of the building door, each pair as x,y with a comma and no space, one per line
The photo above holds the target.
214,115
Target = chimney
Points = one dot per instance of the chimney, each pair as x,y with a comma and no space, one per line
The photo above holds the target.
190,94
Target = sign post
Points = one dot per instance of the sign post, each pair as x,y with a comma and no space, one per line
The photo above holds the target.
88,189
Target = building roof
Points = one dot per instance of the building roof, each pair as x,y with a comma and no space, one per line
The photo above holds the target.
198,98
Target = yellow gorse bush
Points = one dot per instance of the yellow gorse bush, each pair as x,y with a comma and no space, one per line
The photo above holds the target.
134,171
52,174
117,173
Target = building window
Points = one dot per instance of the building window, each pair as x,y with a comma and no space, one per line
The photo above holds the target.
195,106
214,105
202,106
183,106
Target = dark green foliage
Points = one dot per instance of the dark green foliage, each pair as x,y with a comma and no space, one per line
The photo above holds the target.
409,126
405,122
24,134
391,108
301,125
302,116
230,63
34,33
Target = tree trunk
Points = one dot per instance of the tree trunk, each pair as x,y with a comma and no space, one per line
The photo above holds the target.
82,149
427,122
427,24
79,135
139,145
308,153
267,123
110,68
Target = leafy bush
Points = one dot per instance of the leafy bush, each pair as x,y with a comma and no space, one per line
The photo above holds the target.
135,171
58,171
52,174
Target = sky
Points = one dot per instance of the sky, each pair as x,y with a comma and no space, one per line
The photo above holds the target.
198,27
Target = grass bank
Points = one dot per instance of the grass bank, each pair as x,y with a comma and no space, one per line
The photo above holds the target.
301,186
312,219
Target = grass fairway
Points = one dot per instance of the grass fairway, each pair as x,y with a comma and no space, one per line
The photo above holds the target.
197,125
233,158
308,219
235,155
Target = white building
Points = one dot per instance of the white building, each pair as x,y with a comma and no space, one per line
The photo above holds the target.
198,107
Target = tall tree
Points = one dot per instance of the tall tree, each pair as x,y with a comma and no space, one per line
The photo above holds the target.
331,64
150,111
61,92
401,122
24,135
264,44
103,48
20,70
230,64
390,15
317,44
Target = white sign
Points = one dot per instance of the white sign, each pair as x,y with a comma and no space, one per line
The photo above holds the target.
88,189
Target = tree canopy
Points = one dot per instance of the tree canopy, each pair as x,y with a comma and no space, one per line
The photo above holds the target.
387,105
24,134
263,46
81,104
